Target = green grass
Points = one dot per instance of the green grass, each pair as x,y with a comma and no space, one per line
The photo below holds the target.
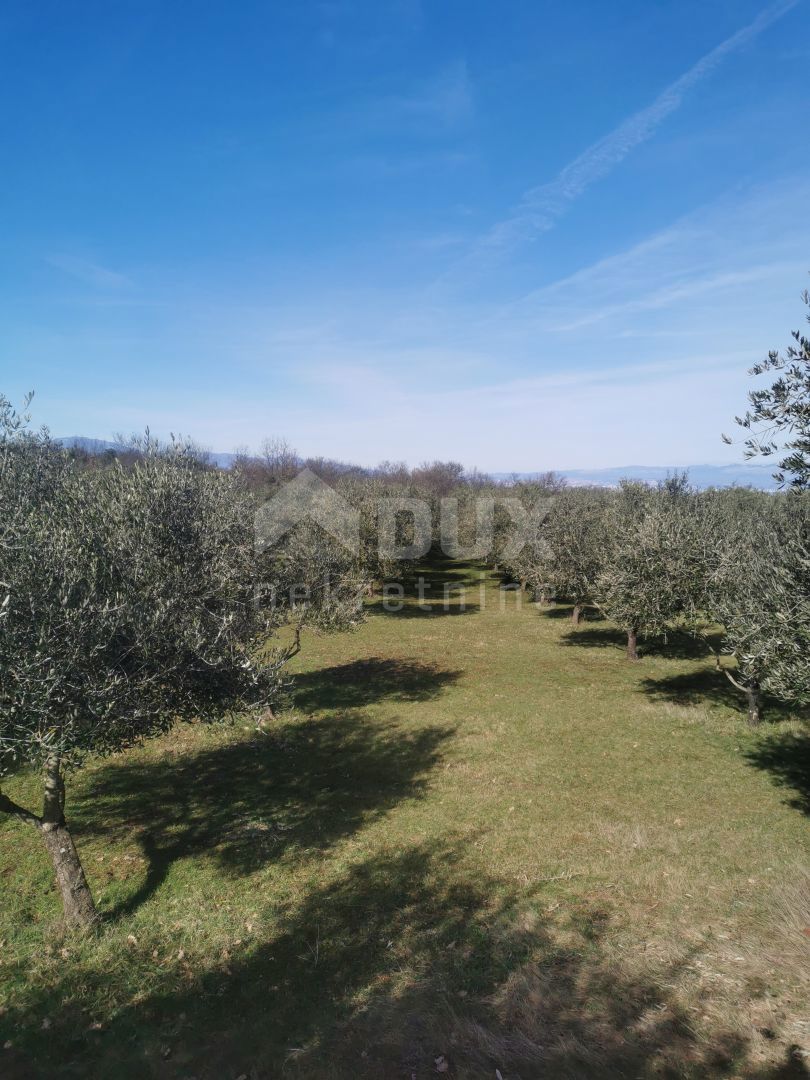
478,836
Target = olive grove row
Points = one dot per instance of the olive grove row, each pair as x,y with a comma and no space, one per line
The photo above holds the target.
733,563
133,594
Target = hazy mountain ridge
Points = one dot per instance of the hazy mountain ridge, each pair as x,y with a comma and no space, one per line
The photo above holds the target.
702,476
99,446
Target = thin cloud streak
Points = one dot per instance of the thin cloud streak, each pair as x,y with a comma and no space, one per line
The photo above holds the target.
666,297
542,206
89,272
444,102
728,245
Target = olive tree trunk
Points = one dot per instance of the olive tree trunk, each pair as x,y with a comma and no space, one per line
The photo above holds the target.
632,644
576,614
77,900
754,709
753,697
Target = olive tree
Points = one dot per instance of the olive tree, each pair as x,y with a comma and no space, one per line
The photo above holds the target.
779,415
368,495
650,572
575,534
758,588
314,580
127,604
519,522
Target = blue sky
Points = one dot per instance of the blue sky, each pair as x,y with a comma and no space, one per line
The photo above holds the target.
523,235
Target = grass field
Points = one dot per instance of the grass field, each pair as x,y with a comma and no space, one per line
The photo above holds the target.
478,840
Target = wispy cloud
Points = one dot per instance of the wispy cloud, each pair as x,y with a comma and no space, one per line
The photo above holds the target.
90,273
739,245
363,26
542,206
439,241
447,98
529,384
687,290
445,101
619,416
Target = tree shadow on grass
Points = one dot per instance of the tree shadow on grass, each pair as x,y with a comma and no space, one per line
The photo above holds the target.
438,572
364,682
595,637
787,758
398,965
675,645
695,688
283,795
562,610
710,685
441,587
432,607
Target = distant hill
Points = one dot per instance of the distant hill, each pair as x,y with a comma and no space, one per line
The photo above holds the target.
90,446
98,446
702,476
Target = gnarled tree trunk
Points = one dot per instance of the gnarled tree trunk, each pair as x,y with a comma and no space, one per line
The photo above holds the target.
576,614
77,900
632,644
753,698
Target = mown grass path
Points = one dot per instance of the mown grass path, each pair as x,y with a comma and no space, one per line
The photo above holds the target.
479,838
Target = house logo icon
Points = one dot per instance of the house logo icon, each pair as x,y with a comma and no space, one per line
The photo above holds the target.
307,498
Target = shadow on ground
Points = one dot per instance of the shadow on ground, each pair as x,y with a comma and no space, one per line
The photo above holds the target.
560,609
787,758
440,571
708,685
282,795
440,587
364,682
677,646
431,607
402,964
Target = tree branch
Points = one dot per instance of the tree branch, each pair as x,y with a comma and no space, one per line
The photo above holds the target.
733,681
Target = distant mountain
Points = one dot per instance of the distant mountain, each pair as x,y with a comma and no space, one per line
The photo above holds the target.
702,476
98,446
90,446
